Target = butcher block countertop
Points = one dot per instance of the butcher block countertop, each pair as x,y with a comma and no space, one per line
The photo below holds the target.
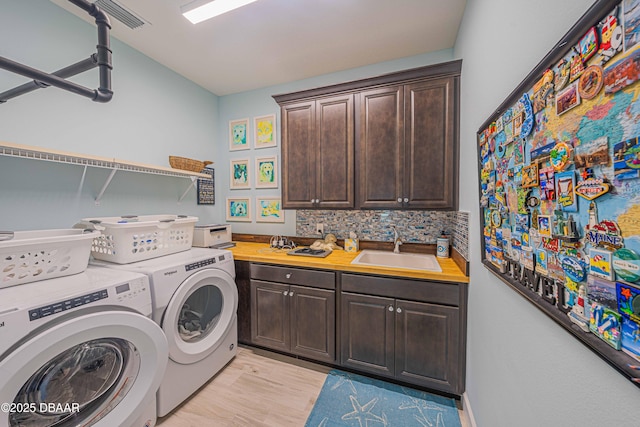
341,261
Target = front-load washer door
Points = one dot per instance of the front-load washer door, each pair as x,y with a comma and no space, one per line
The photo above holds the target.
199,315
100,369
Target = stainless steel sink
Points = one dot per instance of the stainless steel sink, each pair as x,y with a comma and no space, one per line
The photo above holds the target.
401,260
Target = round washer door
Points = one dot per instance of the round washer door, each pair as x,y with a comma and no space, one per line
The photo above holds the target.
99,369
199,315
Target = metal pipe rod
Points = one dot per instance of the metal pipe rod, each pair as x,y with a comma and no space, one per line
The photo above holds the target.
71,70
42,79
32,73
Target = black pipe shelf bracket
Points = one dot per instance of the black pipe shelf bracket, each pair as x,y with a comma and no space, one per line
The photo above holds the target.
100,59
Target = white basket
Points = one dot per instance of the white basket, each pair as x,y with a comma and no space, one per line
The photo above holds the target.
29,256
135,238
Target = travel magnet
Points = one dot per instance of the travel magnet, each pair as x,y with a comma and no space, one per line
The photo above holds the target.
560,156
573,268
590,82
626,264
628,301
600,263
592,188
606,324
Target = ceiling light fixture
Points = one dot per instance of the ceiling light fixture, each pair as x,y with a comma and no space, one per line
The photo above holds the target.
201,10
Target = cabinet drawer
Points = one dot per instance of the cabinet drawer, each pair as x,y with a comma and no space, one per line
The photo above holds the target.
294,276
416,290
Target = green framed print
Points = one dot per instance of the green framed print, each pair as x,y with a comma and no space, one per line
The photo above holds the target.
239,174
269,209
239,209
266,172
239,135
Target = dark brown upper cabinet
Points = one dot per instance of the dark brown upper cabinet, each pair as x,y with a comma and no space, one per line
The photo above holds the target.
318,153
387,142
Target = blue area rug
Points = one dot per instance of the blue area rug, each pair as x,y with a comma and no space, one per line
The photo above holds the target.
352,400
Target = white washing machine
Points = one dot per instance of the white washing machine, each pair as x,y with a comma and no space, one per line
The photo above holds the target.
80,350
195,301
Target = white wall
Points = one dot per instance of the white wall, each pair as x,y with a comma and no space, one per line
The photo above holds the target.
523,369
154,113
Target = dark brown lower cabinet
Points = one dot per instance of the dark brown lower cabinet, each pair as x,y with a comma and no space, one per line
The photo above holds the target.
409,330
412,341
244,301
295,319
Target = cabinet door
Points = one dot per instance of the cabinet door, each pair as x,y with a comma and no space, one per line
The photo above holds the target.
427,345
335,165
313,314
430,157
299,150
270,324
380,147
244,301
367,333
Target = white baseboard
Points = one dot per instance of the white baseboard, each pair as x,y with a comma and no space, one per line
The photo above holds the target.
467,412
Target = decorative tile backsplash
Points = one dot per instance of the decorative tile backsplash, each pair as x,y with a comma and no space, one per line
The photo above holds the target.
413,226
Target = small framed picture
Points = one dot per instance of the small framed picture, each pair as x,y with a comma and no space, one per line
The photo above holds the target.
600,263
269,209
530,176
567,98
239,135
239,209
544,225
265,131
266,172
239,174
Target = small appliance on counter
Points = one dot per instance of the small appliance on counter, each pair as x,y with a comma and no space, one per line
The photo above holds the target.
216,236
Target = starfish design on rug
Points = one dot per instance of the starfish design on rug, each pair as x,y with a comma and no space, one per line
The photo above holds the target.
363,414
344,380
424,407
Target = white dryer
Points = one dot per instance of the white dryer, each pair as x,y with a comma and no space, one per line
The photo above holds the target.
195,301
80,350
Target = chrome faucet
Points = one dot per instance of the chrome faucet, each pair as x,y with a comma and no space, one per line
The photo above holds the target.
396,240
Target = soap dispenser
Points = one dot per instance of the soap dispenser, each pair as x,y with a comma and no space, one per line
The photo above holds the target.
442,243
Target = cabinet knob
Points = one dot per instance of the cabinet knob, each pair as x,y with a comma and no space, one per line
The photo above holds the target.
317,200
390,308
406,200
399,310
285,293
288,275
399,199
313,200
291,293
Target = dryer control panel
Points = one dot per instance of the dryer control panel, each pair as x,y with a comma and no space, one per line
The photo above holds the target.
203,263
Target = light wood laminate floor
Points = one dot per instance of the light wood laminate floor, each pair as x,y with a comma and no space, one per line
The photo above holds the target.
257,388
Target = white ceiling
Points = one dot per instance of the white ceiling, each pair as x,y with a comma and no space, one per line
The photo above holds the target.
276,41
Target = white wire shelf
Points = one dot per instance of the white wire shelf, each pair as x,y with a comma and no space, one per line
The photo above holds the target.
50,155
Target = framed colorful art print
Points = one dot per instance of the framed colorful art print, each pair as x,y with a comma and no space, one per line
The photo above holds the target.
266,172
239,174
265,131
239,134
269,209
239,209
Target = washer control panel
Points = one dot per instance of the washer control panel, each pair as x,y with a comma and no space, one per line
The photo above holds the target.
120,291
58,307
